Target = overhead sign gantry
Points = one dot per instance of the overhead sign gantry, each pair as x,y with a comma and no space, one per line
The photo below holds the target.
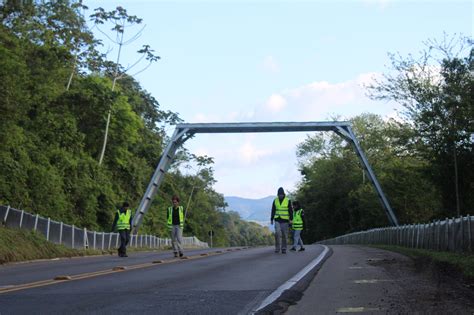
185,131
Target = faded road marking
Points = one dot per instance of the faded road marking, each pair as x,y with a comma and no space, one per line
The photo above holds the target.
67,278
357,309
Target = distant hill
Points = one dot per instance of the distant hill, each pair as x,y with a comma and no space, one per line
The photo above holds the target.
256,210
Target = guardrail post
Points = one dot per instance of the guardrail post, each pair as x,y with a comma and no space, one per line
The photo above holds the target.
72,235
60,232
47,229
21,217
469,233
447,234
94,239
6,215
461,231
116,239
103,235
438,236
417,235
110,239
85,239
36,222
454,233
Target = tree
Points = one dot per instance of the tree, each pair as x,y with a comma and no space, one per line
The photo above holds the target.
120,20
335,193
437,92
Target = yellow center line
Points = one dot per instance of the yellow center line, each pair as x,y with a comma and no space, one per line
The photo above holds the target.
94,274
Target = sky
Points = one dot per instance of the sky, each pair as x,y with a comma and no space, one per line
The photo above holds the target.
274,61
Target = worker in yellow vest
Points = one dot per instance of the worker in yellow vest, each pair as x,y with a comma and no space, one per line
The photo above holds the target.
282,216
175,220
297,226
123,222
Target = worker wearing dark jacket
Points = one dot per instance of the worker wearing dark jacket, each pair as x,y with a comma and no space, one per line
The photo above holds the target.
282,215
123,223
297,226
175,221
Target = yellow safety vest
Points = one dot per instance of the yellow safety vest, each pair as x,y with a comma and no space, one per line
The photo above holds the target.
170,217
123,222
281,209
297,220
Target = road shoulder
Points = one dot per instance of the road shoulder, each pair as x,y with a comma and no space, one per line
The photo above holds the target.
358,279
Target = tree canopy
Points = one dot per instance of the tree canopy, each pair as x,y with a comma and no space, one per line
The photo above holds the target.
424,161
53,128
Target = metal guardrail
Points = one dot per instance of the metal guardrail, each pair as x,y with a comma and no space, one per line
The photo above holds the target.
75,237
454,235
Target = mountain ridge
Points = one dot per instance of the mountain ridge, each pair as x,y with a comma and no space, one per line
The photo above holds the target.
251,209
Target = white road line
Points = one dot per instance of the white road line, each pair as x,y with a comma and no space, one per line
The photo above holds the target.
288,284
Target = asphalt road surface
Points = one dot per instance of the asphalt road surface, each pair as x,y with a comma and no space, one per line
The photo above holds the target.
211,281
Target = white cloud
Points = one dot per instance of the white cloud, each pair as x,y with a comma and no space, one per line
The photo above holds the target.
249,153
321,100
275,103
270,64
239,158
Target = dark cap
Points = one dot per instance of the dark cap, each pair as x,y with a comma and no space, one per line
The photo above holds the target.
280,191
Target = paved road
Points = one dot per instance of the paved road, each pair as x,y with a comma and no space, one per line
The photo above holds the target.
229,282
364,280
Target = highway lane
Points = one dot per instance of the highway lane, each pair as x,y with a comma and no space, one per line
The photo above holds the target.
232,282
12,274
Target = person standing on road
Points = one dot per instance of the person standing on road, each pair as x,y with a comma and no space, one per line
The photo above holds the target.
297,226
282,215
123,222
175,220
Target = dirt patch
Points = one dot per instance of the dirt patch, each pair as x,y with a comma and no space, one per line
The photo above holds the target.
428,287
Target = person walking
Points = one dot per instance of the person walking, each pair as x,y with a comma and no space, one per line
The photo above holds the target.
123,222
282,216
175,219
297,226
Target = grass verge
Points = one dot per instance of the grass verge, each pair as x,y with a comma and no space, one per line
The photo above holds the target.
20,245
456,264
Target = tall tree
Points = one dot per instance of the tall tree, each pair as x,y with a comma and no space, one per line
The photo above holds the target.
338,197
120,20
437,91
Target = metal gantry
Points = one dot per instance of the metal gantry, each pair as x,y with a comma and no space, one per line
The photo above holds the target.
185,131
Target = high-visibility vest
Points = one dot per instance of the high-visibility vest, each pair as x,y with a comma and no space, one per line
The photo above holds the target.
281,209
297,220
170,217
123,222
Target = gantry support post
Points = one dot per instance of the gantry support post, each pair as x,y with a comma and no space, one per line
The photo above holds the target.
347,133
165,162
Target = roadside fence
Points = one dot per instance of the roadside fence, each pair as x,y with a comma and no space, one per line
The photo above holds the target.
75,237
454,235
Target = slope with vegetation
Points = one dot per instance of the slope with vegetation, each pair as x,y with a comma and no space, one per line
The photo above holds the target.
424,161
56,96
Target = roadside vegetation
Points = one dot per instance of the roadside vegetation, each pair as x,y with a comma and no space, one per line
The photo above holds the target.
80,135
447,264
22,245
423,159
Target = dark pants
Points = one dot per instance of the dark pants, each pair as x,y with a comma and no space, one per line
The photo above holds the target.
124,239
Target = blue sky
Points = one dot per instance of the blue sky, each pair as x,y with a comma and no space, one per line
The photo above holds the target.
250,61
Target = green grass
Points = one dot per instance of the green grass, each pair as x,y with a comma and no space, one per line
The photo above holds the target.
20,245
463,263
23,245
